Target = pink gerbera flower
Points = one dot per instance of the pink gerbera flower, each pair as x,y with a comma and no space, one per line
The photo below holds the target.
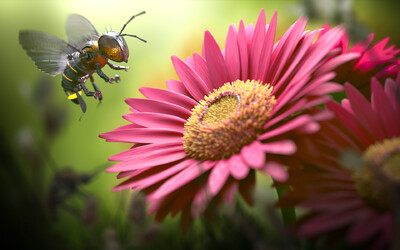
376,60
232,112
356,195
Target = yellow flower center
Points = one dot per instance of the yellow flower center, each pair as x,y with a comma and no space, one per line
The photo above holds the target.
227,119
220,110
374,180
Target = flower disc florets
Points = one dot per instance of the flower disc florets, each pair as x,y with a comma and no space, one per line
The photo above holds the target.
227,119
373,181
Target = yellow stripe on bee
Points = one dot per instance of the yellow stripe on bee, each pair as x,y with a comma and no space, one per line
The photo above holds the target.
71,67
74,96
67,78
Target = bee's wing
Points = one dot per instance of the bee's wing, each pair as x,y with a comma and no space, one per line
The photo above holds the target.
49,53
79,30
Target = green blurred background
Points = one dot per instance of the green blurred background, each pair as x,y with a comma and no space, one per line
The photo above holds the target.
41,133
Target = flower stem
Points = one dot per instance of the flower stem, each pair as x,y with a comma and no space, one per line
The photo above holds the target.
288,213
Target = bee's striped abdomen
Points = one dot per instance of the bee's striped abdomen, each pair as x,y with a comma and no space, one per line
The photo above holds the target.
72,73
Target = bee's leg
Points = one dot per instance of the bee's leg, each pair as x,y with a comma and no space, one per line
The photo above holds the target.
117,67
86,90
81,102
83,79
106,78
97,93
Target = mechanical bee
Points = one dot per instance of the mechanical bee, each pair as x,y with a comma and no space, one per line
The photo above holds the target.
85,53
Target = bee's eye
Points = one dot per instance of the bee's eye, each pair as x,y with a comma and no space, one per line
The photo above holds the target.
110,48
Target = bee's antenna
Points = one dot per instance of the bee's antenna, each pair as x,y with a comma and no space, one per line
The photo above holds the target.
141,13
141,39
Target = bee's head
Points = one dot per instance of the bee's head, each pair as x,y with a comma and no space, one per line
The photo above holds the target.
113,46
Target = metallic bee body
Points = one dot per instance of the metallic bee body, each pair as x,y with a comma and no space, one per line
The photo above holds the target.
85,53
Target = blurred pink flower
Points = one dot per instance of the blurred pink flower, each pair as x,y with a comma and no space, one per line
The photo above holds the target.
376,60
343,192
232,112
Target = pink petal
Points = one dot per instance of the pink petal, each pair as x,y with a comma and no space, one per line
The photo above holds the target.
237,167
335,62
232,54
321,47
193,83
125,174
178,87
143,135
283,147
385,110
309,128
286,127
366,227
392,91
215,62
327,88
168,96
129,126
155,120
155,205
182,200
266,52
162,157
190,62
275,170
147,105
363,45
253,155
323,115
313,87
347,106
165,208
218,176
144,150
299,105
317,101
229,194
249,36
256,44
291,90
386,234
363,111
186,219
327,205
200,66
182,178
327,222
348,120
286,46
200,201
154,178
246,187
316,53
243,54
293,67
329,198
337,186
